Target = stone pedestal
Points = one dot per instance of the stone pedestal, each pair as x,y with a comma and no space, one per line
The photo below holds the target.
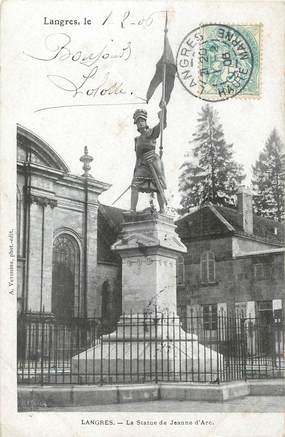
149,342
148,247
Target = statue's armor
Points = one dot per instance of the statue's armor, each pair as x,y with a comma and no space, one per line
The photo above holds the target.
143,179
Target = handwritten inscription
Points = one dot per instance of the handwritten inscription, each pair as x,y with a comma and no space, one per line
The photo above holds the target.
105,87
58,47
125,19
129,19
94,76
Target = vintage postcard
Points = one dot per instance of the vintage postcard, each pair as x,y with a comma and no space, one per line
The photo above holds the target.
142,218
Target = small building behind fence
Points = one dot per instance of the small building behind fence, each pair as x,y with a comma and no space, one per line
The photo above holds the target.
234,265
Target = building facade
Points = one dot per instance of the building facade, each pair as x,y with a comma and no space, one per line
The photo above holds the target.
65,266
234,264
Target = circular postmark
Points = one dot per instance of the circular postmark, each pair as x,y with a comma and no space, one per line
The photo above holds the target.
214,62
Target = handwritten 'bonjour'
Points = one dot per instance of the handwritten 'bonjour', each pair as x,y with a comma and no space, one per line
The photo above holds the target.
59,48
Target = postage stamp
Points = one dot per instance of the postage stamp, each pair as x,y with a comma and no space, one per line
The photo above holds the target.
216,62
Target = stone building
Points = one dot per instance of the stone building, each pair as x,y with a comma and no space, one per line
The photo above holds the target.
234,263
65,266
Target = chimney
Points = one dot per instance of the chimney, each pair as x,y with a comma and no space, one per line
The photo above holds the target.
244,206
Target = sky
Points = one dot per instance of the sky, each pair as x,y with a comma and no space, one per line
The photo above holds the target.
126,41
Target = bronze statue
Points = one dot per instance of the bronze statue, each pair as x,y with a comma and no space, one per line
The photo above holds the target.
149,174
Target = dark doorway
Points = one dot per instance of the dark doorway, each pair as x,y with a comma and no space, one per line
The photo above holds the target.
63,292
106,295
65,278
107,307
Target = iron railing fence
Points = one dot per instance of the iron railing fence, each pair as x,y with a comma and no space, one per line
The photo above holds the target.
264,343
153,347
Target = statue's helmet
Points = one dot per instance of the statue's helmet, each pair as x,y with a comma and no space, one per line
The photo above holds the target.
139,113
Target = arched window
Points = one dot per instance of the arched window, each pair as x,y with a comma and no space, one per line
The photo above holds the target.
207,268
180,270
66,299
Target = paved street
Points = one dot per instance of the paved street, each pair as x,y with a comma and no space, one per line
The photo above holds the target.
249,404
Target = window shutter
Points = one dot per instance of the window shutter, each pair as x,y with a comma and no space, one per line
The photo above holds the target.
207,267
211,270
250,309
214,317
204,275
206,317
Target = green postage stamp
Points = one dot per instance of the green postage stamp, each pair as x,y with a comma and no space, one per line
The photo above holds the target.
216,62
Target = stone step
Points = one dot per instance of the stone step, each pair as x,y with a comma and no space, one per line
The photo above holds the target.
64,395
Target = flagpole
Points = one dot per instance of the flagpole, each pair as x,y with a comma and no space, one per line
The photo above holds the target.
163,89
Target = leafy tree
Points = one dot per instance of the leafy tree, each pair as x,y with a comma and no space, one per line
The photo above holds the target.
211,174
269,179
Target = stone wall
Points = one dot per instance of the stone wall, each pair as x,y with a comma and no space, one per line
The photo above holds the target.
53,203
235,281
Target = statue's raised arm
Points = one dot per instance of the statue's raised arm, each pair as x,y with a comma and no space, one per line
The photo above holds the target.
156,129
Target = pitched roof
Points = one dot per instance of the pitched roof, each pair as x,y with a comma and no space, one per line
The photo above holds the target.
264,228
109,225
214,221
112,214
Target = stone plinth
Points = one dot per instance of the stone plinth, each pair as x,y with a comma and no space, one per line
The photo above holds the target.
148,247
149,342
147,348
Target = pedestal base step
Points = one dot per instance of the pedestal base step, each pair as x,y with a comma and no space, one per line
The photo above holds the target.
138,356
94,395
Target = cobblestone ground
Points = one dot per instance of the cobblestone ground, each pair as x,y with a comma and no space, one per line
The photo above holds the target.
249,404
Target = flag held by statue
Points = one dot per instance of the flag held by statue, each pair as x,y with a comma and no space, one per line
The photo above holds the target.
167,60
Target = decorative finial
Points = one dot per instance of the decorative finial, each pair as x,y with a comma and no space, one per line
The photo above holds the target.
86,159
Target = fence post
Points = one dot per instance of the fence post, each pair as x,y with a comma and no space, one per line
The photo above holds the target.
243,346
42,351
155,343
101,356
218,349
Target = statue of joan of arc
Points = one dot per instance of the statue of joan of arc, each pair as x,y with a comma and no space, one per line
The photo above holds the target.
149,174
